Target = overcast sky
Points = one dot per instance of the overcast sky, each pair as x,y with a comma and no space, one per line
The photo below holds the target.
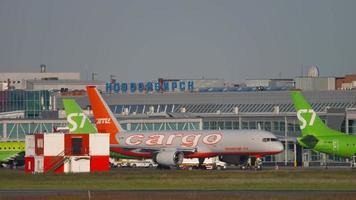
146,39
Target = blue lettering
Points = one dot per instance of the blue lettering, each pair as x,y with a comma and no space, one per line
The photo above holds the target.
116,87
149,87
157,87
141,87
124,87
133,87
166,86
174,86
108,87
190,85
182,85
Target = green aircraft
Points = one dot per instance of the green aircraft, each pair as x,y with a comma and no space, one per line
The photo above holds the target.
11,152
78,122
316,135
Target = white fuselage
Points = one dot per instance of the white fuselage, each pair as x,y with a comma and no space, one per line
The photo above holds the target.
217,141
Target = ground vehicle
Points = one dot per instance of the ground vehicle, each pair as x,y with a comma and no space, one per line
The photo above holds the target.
136,163
146,163
209,163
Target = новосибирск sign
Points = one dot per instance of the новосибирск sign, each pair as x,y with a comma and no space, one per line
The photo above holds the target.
141,87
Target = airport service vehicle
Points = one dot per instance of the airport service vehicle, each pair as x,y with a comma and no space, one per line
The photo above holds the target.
209,163
143,163
168,148
10,151
113,163
317,136
132,163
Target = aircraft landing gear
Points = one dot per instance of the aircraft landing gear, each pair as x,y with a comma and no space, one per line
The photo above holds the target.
258,163
201,162
353,162
254,163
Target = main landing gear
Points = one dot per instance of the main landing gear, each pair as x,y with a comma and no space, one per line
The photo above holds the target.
252,163
353,162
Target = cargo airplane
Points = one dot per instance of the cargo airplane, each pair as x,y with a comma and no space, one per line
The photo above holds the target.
316,135
168,148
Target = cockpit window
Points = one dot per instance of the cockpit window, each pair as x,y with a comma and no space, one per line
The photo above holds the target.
269,139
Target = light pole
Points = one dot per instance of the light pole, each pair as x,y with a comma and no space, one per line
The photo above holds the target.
93,75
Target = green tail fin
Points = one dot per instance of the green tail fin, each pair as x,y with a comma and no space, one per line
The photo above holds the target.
78,122
310,123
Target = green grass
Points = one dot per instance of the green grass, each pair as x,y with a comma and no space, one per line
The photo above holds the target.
320,179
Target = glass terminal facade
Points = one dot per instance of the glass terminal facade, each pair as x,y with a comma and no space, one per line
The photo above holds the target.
31,102
18,129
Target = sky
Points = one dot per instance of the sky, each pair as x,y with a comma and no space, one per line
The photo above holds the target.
186,39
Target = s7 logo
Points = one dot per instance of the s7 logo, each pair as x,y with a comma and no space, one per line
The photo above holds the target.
303,119
74,123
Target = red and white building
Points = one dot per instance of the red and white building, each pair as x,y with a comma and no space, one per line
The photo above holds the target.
67,153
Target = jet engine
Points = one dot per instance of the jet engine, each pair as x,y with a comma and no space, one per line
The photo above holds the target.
169,158
233,159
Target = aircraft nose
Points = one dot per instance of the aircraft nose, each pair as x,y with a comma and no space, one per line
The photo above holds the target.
279,147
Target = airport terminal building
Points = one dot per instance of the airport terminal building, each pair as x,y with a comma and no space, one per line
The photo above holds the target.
270,109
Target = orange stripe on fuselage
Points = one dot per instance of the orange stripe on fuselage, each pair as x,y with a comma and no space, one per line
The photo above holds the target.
104,122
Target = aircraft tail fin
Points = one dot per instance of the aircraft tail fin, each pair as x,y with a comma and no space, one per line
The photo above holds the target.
105,120
78,122
310,123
